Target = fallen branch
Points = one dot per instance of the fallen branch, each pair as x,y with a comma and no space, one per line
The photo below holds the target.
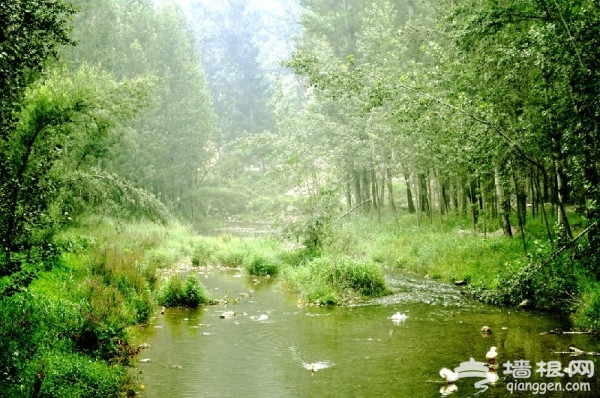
352,209
576,351
563,332
567,245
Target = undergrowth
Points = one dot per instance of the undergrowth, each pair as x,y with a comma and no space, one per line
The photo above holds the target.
337,280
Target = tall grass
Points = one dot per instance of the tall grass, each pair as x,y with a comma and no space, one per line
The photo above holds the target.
337,280
39,354
188,292
444,251
68,335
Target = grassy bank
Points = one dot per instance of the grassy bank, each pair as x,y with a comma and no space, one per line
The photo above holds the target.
67,335
496,269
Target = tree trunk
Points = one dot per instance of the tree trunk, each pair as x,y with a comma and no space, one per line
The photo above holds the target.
409,196
503,204
561,194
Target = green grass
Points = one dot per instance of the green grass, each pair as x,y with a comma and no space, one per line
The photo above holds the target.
337,280
179,292
67,336
446,251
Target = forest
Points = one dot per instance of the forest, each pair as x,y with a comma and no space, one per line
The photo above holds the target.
455,139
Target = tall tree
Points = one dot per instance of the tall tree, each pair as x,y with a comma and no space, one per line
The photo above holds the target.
170,146
29,39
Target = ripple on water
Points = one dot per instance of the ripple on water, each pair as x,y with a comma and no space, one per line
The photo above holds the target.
411,290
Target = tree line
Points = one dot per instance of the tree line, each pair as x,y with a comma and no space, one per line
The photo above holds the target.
105,109
482,108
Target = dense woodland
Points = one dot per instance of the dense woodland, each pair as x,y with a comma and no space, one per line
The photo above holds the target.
301,114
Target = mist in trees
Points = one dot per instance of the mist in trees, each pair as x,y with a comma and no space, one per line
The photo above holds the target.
305,111
478,108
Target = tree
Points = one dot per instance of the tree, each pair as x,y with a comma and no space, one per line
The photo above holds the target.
170,146
30,35
29,39
62,120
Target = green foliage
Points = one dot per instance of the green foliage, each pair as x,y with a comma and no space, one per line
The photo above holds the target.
313,228
38,351
58,374
232,254
203,252
337,280
258,256
170,148
179,292
31,35
587,315
60,119
261,265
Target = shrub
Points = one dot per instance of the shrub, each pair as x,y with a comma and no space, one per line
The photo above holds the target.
328,280
231,255
587,315
38,342
202,254
176,293
58,374
163,257
194,293
261,265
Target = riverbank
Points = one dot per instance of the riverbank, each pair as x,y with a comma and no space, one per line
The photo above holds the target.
69,334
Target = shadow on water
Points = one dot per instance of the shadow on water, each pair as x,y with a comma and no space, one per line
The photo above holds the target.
273,348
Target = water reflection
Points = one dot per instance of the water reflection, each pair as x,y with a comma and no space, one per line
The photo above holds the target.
272,348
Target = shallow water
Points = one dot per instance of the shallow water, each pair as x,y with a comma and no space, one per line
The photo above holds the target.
356,351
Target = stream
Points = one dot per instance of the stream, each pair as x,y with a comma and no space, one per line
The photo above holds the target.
274,348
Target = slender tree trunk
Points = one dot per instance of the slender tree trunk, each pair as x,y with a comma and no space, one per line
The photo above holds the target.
357,187
520,212
561,193
348,195
504,204
482,198
391,193
366,186
409,196
543,207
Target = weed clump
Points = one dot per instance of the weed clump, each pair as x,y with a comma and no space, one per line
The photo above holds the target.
39,354
177,292
202,253
336,280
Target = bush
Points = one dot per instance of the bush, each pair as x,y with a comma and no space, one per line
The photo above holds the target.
58,374
587,315
39,339
202,254
328,280
175,292
261,265
231,255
